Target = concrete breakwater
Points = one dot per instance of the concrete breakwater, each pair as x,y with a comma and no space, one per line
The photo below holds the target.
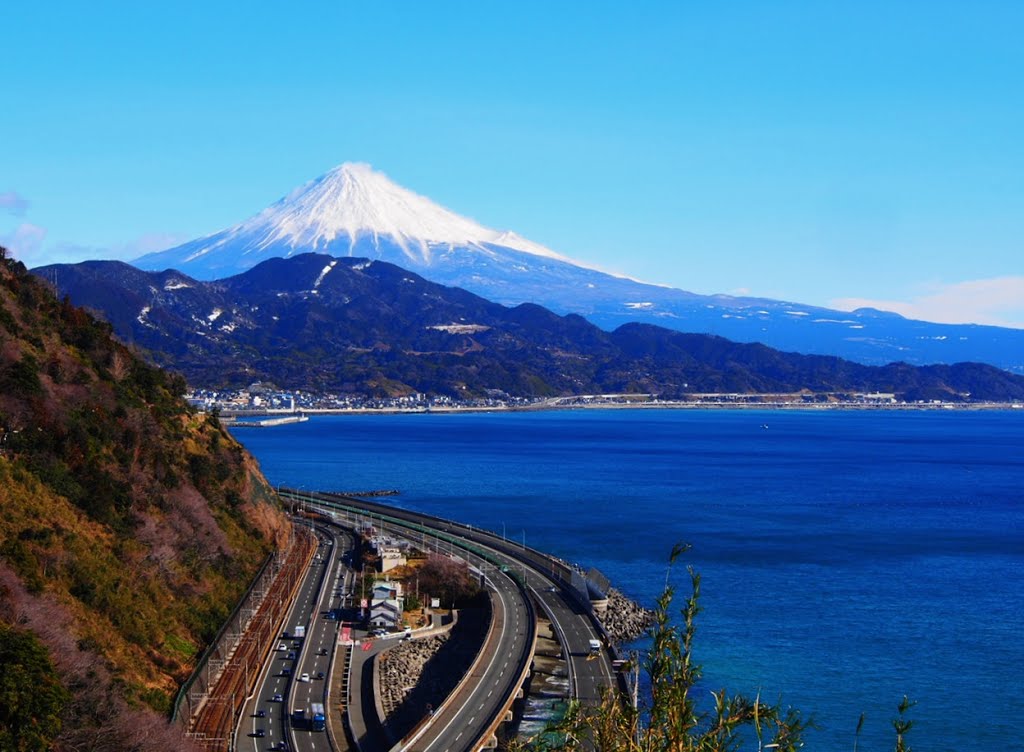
625,620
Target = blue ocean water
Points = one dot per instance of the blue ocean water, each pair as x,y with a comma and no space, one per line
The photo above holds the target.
847,558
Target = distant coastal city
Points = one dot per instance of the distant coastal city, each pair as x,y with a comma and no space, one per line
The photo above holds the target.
261,399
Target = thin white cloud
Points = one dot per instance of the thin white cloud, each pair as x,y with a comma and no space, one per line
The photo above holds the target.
13,203
998,301
25,243
149,243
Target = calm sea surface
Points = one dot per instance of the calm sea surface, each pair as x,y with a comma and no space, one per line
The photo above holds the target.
848,558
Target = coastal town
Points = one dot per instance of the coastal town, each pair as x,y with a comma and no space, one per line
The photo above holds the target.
260,399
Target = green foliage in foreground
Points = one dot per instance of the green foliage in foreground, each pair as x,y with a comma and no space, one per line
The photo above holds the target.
31,695
669,720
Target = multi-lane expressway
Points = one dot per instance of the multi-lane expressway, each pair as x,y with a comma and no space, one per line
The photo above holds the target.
266,721
468,719
546,578
478,703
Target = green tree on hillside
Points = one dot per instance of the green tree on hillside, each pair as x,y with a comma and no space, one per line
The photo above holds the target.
31,695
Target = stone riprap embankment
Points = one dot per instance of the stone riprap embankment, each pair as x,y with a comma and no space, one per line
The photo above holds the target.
416,676
402,667
625,620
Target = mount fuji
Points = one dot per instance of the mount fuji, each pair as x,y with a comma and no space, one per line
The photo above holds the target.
354,210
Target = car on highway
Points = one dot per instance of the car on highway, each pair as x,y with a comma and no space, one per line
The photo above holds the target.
281,647
277,697
260,733
319,674
261,713
304,677
290,657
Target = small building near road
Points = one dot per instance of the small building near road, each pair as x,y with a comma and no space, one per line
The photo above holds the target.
387,604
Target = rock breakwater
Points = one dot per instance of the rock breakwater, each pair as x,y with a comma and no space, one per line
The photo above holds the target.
416,676
625,620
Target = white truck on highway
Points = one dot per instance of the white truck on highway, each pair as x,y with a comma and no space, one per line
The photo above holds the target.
300,632
595,647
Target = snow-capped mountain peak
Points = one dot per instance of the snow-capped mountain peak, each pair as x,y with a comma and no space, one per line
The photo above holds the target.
351,210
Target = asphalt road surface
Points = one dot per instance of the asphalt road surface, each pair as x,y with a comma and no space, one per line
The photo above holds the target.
266,721
462,720
589,674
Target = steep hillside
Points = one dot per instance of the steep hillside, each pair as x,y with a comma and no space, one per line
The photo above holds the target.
129,525
369,327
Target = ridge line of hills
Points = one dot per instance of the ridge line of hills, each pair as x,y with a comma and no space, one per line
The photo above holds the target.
328,324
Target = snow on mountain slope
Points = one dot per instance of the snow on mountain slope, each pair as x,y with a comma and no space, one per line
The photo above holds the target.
348,211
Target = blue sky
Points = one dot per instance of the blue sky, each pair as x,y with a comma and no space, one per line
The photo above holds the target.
833,153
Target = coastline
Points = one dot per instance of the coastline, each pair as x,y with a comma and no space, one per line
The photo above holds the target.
661,405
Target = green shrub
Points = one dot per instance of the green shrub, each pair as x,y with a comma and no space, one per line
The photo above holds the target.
31,692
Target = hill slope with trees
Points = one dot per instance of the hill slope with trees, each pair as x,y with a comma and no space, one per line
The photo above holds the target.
129,527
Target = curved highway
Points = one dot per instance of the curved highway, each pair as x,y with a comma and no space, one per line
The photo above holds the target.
468,715
298,670
546,578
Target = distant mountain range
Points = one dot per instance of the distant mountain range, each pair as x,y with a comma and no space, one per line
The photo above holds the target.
357,212
355,325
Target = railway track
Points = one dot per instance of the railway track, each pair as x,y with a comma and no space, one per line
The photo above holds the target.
213,724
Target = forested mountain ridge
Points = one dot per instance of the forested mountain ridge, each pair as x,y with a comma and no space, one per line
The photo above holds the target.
129,527
369,327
